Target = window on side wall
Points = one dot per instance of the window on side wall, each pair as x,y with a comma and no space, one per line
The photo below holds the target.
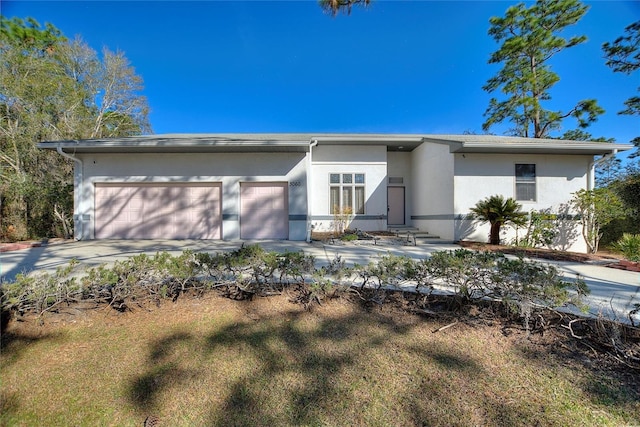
346,191
526,182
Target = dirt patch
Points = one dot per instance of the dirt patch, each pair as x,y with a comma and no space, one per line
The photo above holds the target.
627,265
14,246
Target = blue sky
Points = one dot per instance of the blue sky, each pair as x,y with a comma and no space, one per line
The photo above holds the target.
401,67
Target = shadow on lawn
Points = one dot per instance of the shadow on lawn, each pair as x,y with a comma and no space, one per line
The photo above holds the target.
162,373
608,383
12,344
316,357
294,374
12,347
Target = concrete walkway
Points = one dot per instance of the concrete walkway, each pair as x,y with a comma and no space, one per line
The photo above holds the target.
613,292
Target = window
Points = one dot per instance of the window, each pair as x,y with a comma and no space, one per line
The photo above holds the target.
346,191
526,182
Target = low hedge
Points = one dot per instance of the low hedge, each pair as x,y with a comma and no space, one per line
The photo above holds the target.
520,285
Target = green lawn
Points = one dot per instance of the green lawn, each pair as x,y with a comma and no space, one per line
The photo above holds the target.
267,362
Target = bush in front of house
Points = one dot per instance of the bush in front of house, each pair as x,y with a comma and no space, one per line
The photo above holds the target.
349,237
498,212
521,286
629,246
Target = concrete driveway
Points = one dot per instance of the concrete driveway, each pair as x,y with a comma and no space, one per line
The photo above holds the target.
92,253
613,292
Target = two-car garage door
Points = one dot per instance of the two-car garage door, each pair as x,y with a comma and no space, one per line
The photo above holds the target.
188,211
158,211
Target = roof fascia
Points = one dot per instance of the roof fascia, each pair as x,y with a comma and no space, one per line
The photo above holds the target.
529,147
117,146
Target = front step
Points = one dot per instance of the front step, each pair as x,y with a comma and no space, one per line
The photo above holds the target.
399,229
411,233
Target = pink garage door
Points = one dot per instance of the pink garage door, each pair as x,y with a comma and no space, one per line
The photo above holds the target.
157,211
264,211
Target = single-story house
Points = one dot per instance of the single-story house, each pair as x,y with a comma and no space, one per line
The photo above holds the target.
281,186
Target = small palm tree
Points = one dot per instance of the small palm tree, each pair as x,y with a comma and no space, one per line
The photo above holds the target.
498,212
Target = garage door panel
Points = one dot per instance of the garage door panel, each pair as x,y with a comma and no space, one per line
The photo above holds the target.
169,211
264,211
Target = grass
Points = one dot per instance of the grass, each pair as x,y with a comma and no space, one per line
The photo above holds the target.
217,362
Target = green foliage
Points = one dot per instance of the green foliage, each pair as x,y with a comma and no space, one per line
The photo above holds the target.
623,56
250,271
336,273
388,270
498,211
541,228
42,292
468,272
613,231
47,92
627,187
596,208
349,237
294,267
522,285
530,37
30,33
582,135
422,273
629,246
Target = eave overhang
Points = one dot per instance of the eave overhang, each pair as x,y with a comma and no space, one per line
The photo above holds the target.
515,145
258,143
178,144
225,143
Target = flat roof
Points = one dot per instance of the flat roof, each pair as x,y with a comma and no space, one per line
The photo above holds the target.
300,142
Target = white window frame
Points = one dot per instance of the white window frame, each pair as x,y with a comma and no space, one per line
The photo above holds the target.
348,191
526,182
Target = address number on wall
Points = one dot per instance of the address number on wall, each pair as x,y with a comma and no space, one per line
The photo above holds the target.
295,184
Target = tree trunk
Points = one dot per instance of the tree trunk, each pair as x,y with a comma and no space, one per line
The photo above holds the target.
494,234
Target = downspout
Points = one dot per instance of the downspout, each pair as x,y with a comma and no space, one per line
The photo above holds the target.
591,183
309,198
77,191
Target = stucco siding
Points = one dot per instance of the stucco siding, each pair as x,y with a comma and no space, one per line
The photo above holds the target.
399,166
369,160
432,168
228,169
478,176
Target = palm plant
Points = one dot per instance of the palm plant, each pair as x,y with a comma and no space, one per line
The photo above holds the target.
498,212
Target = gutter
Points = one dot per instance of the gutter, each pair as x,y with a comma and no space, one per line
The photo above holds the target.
591,183
309,180
77,191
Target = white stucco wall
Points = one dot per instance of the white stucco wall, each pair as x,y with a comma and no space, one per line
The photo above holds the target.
432,167
440,186
399,166
230,169
370,160
478,176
